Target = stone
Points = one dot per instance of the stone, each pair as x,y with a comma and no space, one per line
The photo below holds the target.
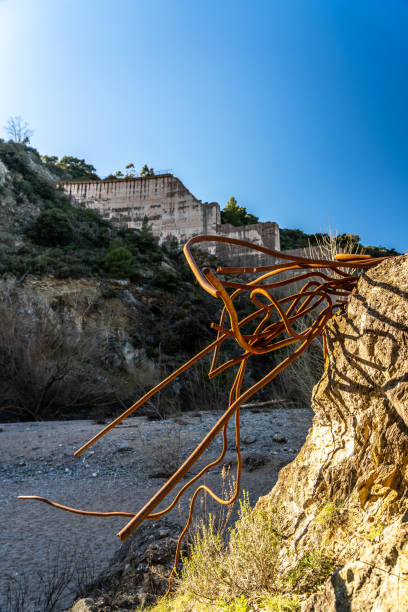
123,448
83,605
254,461
279,439
345,492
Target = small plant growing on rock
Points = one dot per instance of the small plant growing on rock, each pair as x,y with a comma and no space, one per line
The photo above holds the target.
373,530
329,514
311,571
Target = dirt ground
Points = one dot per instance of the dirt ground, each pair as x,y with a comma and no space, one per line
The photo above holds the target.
121,472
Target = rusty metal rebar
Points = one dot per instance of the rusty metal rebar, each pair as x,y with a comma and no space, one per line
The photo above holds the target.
327,286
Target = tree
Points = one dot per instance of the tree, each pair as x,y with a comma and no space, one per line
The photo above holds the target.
51,228
130,171
236,215
18,130
146,238
146,171
119,261
78,168
49,159
45,365
114,177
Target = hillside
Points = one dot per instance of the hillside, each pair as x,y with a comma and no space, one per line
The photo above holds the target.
105,307
86,301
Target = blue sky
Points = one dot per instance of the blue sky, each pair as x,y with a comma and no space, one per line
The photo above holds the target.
298,108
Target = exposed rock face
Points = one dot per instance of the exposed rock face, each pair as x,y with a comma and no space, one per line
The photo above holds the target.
346,492
107,331
137,573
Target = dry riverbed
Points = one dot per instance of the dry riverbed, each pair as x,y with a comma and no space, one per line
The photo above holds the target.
120,472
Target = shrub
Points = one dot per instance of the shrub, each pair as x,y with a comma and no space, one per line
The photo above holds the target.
163,279
311,571
247,566
185,334
51,228
13,156
171,343
90,228
43,264
46,367
62,271
329,514
119,261
253,570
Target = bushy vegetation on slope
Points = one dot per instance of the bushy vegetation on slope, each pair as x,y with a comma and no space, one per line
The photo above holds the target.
296,239
54,237
157,311
166,314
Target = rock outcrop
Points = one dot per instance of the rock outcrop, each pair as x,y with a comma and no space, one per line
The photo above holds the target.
346,492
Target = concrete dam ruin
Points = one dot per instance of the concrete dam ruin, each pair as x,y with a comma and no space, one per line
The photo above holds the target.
172,211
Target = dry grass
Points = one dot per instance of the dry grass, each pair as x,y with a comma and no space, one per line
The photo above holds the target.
60,577
164,454
46,364
251,569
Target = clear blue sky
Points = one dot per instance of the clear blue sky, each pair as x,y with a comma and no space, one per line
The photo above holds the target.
296,107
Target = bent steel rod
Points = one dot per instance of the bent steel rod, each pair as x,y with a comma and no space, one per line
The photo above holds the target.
321,296
204,444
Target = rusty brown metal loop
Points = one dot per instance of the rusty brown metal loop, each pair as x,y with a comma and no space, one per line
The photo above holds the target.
327,284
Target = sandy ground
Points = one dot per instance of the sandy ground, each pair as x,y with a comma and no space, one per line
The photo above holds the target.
121,472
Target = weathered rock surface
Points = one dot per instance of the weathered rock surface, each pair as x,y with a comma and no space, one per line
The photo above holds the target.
346,491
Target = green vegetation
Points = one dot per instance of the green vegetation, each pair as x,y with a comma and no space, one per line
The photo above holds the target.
70,241
310,572
236,215
118,261
253,568
329,514
51,228
43,234
146,171
130,172
77,168
114,176
296,239
373,530
163,311
69,168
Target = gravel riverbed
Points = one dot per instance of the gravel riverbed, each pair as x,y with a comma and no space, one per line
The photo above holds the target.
120,472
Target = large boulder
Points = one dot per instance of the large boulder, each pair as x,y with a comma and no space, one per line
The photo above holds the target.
346,491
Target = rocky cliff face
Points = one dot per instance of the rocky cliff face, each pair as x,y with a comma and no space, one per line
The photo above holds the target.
346,492
83,347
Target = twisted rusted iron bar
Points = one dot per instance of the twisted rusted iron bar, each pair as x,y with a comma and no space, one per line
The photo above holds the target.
74,510
323,293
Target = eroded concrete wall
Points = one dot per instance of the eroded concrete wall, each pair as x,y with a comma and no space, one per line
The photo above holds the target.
171,210
169,206
262,234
